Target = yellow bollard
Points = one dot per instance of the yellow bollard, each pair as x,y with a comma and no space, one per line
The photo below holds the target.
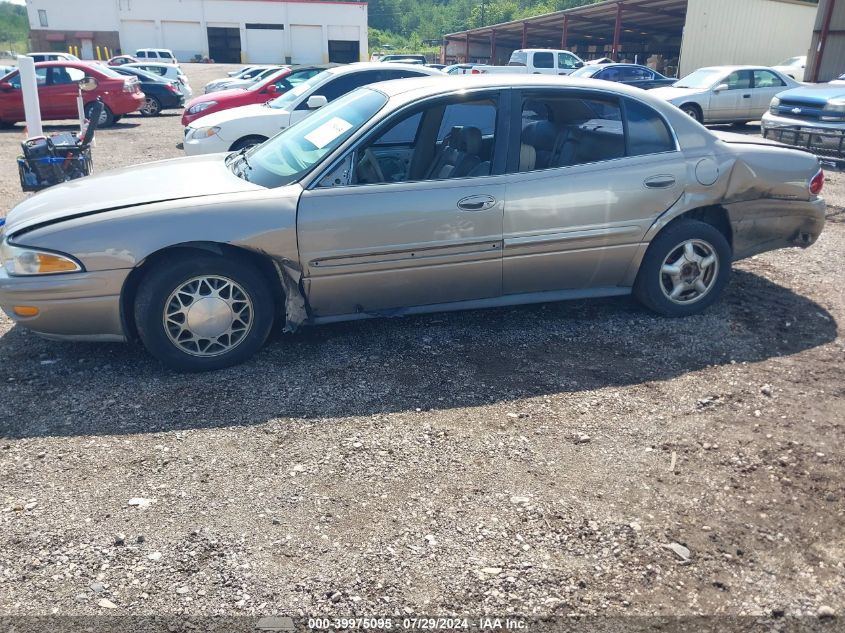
99,57
108,54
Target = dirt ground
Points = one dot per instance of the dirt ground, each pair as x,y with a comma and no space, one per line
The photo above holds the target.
571,458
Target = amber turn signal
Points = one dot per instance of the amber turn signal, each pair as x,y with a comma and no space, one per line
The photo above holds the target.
25,311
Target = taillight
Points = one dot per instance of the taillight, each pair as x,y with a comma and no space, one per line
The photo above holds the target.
172,88
475,71
817,183
129,86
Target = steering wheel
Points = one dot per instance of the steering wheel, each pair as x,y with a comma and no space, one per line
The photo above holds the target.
372,161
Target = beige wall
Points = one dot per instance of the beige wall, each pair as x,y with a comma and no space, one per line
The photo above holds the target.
727,32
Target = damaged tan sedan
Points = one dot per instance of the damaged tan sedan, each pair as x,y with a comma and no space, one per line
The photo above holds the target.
412,196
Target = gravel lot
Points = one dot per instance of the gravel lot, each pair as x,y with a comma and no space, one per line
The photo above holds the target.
571,458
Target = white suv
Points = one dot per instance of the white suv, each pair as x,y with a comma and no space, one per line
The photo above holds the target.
161,55
236,128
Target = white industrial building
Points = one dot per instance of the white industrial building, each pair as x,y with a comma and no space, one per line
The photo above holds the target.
256,31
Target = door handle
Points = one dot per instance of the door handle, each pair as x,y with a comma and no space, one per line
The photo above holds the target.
746,96
476,203
659,182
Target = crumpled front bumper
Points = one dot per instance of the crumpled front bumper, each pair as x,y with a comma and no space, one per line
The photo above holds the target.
826,140
76,306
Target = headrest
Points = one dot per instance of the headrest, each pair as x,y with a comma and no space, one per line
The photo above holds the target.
540,134
527,157
455,136
472,140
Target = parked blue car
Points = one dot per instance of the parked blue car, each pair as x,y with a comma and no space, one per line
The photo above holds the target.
162,94
811,118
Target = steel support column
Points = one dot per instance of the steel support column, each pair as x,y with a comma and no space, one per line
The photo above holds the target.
466,59
617,32
564,36
828,17
493,47
524,35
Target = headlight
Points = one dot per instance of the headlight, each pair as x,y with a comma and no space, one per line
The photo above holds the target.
29,261
204,132
200,107
837,105
774,105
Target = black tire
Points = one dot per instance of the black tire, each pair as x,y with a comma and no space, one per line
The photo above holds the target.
117,119
693,111
247,141
155,296
652,285
151,107
106,119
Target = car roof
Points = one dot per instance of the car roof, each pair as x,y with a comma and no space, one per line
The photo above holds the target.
733,68
362,66
420,87
160,64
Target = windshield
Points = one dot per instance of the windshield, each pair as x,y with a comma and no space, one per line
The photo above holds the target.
260,83
291,154
289,99
702,78
792,61
518,58
586,71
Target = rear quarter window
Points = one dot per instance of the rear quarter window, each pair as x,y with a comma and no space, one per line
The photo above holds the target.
648,133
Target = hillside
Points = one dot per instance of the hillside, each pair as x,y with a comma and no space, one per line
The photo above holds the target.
14,27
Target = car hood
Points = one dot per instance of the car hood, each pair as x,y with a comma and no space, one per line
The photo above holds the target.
815,94
177,179
670,93
240,114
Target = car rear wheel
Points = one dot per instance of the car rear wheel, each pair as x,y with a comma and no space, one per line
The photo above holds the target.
685,269
106,118
247,141
693,111
204,312
151,107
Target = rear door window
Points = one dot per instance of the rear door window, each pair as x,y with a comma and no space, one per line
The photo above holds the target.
544,60
767,79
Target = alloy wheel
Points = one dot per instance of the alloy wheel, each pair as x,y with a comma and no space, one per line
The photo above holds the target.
689,272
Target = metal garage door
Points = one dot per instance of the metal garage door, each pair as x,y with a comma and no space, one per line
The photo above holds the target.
135,34
185,39
306,44
265,43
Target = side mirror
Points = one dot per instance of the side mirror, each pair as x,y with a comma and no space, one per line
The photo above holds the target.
6,86
88,84
579,64
721,88
316,102
272,89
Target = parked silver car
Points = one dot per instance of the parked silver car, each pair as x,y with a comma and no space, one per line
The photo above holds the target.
410,196
726,94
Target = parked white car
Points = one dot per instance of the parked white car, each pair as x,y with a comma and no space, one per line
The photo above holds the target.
536,61
53,57
244,80
168,71
794,67
162,55
726,94
237,128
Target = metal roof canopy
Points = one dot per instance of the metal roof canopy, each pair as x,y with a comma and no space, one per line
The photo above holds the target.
612,22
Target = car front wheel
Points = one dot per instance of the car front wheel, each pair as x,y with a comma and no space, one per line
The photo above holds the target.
204,312
684,270
693,111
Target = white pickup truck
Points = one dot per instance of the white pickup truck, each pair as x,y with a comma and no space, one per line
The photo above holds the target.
537,61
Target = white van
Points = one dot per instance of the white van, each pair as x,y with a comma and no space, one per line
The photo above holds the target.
161,55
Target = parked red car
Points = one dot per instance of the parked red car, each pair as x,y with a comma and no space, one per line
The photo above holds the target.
58,89
260,92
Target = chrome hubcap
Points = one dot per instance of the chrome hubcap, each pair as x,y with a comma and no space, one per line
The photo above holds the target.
689,272
208,316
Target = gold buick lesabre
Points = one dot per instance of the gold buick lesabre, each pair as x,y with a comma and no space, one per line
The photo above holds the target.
417,195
